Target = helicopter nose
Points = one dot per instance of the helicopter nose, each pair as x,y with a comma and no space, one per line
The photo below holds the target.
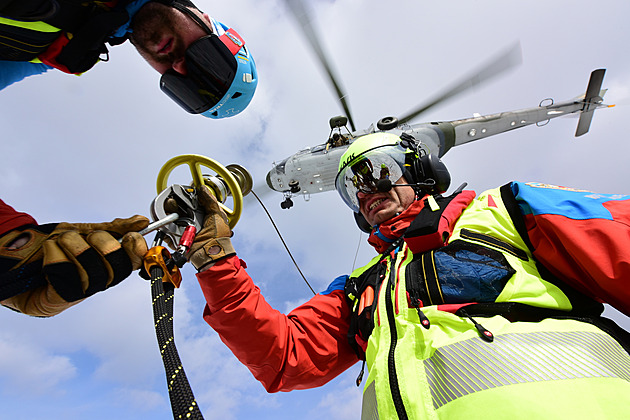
269,181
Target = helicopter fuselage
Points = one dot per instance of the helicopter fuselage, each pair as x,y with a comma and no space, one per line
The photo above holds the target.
314,169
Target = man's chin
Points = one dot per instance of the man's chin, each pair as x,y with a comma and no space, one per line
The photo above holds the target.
150,16
375,219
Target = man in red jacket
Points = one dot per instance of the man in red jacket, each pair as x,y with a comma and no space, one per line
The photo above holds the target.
447,265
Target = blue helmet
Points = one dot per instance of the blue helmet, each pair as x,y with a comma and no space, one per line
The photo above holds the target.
244,82
220,78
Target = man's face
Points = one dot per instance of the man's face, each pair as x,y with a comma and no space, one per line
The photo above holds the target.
161,35
381,206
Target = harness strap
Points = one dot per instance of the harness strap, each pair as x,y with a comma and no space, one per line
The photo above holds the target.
82,52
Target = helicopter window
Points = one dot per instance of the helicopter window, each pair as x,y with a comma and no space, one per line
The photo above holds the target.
280,167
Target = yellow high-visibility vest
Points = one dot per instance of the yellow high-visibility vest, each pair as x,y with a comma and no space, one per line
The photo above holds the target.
554,368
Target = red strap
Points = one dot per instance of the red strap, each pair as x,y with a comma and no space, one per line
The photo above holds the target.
453,307
232,40
50,55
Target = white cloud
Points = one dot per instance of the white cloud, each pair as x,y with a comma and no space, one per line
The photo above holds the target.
142,399
342,404
24,368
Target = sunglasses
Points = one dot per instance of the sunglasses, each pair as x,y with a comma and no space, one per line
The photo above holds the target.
210,66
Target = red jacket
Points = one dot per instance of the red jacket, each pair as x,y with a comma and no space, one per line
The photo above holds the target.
582,237
304,349
11,219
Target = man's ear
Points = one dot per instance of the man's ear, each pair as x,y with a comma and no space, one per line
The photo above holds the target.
208,21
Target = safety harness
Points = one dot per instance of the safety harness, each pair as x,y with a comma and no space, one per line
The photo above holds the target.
70,35
474,295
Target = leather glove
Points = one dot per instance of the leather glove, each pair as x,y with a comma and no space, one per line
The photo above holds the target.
77,260
213,240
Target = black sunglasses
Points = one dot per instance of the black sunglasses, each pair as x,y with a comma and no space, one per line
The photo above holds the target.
210,71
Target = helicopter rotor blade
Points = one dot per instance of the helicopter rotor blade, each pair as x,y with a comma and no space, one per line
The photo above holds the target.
304,18
503,62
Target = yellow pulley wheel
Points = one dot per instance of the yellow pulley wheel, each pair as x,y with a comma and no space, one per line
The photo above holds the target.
195,163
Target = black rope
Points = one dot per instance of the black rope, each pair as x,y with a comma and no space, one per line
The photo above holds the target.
183,401
283,243
356,254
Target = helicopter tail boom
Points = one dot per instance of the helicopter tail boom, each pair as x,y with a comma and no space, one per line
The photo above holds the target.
479,127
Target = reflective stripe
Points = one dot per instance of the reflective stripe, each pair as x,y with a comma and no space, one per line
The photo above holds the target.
369,407
33,26
473,365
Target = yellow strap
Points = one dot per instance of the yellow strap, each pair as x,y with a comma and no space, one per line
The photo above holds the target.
34,26
432,203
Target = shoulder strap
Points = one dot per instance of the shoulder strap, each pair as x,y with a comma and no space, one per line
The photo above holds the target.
362,296
434,224
82,52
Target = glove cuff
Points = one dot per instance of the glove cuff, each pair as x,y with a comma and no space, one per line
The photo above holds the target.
211,251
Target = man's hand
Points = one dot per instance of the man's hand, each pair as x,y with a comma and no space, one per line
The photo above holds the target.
213,240
78,260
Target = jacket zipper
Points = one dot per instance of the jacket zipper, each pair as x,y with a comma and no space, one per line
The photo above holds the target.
491,240
391,362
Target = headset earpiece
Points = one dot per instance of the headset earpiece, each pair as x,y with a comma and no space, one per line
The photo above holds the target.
431,167
425,168
436,170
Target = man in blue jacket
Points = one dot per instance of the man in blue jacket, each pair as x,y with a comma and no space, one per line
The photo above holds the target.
206,67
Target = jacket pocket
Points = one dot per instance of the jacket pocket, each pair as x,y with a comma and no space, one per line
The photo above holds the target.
460,272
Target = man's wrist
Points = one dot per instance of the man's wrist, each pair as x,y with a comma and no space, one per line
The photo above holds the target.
211,251
206,266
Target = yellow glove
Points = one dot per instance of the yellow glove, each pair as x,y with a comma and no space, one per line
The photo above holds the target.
76,260
213,240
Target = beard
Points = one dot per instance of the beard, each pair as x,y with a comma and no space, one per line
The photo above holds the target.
149,26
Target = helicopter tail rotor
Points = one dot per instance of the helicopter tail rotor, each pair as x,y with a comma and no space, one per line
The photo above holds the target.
592,100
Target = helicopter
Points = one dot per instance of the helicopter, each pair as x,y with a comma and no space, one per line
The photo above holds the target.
313,170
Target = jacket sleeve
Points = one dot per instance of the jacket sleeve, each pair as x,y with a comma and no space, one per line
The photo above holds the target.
304,349
11,219
582,237
14,71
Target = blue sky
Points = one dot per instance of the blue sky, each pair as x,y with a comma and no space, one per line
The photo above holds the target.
87,149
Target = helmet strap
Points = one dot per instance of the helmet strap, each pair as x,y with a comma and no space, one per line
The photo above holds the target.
186,10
